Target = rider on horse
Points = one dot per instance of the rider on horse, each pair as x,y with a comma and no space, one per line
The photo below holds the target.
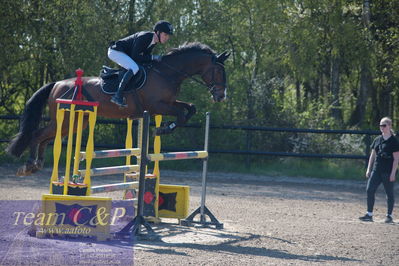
137,48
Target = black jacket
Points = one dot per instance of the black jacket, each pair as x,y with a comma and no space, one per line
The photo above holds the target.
136,46
384,150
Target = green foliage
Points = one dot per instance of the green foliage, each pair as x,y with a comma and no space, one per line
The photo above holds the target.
306,64
318,168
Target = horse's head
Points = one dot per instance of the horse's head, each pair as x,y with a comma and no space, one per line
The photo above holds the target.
214,76
203,61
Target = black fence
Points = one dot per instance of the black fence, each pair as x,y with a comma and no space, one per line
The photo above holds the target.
249,151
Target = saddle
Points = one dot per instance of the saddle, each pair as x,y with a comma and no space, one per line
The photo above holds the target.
111,77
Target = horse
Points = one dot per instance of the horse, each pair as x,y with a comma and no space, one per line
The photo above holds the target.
158,96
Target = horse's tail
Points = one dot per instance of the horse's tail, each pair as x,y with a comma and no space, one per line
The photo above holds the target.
30,120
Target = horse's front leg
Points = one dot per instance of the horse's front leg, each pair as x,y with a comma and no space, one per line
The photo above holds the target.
176,109
182,116
191,110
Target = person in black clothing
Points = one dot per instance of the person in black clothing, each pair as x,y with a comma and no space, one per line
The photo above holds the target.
382,166
137,48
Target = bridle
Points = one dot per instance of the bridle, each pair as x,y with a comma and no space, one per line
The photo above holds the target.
212,85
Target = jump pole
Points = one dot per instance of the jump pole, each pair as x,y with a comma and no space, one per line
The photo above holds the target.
133,228
203,211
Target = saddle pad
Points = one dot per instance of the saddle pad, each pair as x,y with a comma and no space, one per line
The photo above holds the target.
111,78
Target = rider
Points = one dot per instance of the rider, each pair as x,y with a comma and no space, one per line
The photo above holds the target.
137,48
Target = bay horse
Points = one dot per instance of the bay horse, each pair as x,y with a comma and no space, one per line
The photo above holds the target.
158,96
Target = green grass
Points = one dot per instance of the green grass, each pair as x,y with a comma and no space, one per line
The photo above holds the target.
313,168
273,166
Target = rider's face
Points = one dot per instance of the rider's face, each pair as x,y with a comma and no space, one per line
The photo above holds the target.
164,37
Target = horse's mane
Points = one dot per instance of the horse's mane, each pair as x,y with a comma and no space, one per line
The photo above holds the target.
191,47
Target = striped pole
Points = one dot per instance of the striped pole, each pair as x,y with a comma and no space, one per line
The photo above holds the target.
170,156
110,170
114,187
113,153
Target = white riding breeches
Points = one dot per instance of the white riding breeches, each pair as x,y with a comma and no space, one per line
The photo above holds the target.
123,60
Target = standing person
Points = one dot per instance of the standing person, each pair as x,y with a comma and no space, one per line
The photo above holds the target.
137,48
382,167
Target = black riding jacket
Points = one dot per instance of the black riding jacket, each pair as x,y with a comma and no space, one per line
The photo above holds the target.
136,46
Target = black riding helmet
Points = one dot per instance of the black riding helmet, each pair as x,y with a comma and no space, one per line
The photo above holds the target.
164,26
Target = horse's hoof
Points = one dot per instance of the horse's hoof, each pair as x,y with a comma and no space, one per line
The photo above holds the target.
34,169
23,171
38,165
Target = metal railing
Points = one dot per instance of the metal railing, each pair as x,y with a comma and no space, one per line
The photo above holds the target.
249,150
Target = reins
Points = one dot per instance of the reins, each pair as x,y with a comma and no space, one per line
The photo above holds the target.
210,86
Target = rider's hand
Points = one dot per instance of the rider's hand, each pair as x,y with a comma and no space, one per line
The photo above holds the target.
157,58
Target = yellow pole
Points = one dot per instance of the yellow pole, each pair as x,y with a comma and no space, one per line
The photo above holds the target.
69,148
78,142
90,149
156,172
157,145
57,146
128,145
128,141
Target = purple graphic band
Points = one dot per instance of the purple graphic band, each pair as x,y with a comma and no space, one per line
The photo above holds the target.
20,219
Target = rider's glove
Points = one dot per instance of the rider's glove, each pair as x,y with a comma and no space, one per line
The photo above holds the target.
157,58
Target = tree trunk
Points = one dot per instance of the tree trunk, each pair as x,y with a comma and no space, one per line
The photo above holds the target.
308,94
365,73
387,88
298,95
335,88
131,18
361,101
375,107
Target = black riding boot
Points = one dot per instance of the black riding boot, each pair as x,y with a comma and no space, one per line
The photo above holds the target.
118,98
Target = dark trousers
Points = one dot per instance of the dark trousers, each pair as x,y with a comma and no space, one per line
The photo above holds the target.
373,183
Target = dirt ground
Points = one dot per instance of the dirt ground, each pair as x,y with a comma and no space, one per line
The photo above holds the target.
267,221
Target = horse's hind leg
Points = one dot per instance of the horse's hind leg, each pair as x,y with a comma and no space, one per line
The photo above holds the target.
30,165
37,147
40,153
